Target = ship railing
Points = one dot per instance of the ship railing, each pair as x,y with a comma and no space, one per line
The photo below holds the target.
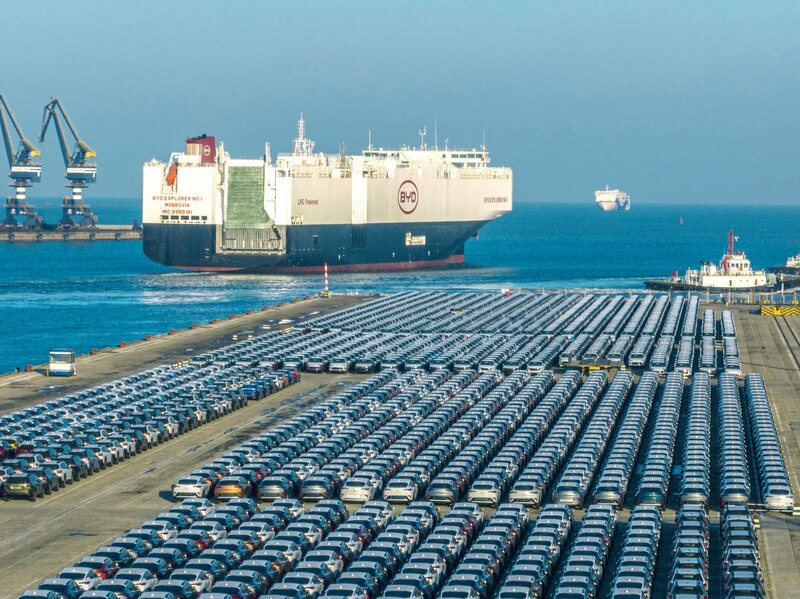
484,173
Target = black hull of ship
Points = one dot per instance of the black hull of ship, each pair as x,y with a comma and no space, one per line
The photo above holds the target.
785,270
366,248
683,287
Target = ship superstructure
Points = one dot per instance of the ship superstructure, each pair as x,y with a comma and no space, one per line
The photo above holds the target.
383,209
612,199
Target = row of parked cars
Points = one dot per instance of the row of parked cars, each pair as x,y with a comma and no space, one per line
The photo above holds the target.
532,485
179,553
577,476
439,438
582,567
634,572
657,466
734,475
776,490
614,479
688,575
534,565
53,444
741,563
496,480
270,454
696,474
458,474
477,574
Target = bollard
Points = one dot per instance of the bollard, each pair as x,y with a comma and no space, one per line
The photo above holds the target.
147,337
122,344
28,367
93,352
193,326
171,332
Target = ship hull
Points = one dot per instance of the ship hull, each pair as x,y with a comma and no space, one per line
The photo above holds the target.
668,285
785,270
607,206
613,206
368,248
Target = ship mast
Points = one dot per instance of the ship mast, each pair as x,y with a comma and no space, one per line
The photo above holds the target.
302,145
729,252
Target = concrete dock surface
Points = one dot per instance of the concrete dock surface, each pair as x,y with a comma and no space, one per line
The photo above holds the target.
28,388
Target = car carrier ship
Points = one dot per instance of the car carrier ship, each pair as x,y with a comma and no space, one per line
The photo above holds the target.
609,200
398,209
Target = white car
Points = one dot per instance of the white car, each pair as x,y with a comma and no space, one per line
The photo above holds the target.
165,530
214,529
142,579
204,506
85,578
62,470
199,580
192,486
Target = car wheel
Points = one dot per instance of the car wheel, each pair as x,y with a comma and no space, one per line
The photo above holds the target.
32,497
48,490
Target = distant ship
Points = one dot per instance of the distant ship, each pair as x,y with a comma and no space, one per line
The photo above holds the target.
792,266
734,273
612,199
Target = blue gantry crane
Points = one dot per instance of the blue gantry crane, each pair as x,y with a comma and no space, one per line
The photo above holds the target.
80,172
24,172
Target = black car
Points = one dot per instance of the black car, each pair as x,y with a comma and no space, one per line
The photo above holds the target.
23,485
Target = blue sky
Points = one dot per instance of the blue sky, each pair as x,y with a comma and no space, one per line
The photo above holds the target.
671,101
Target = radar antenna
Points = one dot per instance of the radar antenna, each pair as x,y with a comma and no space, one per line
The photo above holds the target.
422,133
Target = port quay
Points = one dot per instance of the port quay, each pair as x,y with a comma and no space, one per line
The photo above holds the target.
517,335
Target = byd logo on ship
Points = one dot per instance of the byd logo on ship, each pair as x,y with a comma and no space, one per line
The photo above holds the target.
407,197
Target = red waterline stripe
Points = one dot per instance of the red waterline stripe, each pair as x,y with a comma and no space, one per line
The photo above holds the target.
372,267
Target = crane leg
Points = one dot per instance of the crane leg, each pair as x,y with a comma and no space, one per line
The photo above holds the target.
73,207
17,206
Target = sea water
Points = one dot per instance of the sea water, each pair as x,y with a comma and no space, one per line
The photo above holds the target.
87,295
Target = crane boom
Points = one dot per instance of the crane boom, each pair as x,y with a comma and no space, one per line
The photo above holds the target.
7,139
26,148
24,172
80,173
81,151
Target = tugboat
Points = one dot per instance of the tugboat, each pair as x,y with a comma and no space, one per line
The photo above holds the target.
792,267
733,273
